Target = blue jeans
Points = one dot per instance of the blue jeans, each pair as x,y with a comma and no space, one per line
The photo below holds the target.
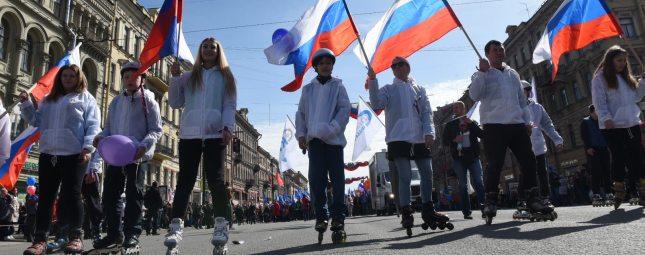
404,169
476,179
327,160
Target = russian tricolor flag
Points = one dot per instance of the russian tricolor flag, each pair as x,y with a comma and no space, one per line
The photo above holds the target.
406,27
576,24
326,25
21,146
166,38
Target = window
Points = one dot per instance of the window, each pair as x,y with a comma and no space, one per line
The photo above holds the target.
563,97
117,32
137,47
572,136
576,92
113,76
4,39
554,103
627,24
27,55
58,8
126,43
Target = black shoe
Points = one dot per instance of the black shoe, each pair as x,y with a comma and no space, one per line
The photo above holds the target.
154,233
108,241
131,242
468,217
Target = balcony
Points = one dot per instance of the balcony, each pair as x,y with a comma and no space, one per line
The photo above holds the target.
164,152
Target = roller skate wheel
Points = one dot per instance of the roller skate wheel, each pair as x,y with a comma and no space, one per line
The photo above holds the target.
424,226
441,227
449,226
489,221
220,250
433,225
408,231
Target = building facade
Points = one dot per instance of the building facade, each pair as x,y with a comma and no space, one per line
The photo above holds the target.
567,96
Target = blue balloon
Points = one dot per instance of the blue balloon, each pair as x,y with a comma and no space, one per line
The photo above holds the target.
278,34
31,181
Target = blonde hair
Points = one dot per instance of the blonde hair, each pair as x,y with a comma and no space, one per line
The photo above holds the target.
221,61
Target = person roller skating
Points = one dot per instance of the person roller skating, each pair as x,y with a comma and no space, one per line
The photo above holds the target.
323,113
597,200
506,118
220,236
538,210
409,132
433,219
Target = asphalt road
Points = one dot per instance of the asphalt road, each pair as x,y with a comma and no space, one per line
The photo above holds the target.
578,230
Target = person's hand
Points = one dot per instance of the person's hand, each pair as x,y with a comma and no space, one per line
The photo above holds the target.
175,69
24,96
97,140
529,129
85,156
429,141
467,120
302,143
141,150
371,74
91,177
484,65
609,124
559,147
591,152
227,136
458,139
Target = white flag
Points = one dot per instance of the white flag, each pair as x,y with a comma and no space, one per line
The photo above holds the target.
367,126
184,52
533,90
473,113
290,153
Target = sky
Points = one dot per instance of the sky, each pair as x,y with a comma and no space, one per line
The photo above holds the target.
245,27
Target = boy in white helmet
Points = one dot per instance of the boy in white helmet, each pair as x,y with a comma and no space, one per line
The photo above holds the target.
323,113
541,122
133,113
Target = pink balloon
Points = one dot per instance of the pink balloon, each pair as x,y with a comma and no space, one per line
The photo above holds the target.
31,190
117,150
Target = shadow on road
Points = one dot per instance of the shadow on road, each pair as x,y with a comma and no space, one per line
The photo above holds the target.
328,247
619,216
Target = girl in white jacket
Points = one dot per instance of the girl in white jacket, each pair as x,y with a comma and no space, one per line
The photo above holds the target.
615,94
208,97
68,119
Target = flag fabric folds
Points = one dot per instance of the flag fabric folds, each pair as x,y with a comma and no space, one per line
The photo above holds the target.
367,126
326,25
406,27
576,24
290,153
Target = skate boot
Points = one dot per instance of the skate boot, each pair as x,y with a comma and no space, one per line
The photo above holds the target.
220,236
338,234
321,227
407,220
619,197
538,210
109,241
522,212
74,246
174,236
131,245
433,219
596,200
490,207
641,192
57,245
37,248
609,200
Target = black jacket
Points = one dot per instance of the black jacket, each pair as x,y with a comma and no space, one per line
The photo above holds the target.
451,131
152,199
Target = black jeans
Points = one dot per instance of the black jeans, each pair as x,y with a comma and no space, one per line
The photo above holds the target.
52,172
542,175
152,217
626,151
499,137
211,152
326,165
92,202
130,178
599,166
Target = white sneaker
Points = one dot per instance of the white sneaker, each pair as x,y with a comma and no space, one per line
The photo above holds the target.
174,233
220,232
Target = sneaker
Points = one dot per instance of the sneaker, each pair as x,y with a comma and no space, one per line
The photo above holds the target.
175,232
220,232
36,248
74,246
57,245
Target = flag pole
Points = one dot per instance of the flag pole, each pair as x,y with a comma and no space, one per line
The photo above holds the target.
379,119
461,26
289,118
358,36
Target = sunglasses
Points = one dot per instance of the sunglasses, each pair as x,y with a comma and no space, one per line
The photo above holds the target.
399,64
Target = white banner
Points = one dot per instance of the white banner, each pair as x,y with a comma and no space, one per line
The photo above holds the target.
290,153
367,126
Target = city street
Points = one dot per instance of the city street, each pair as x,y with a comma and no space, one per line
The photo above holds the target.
578,230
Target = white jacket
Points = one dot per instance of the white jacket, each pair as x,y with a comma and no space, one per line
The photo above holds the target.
408,115
67,125
501,96
207,110
5,136
323,112
542,122
619,105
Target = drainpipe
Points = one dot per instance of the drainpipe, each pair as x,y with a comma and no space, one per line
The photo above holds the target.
67,14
